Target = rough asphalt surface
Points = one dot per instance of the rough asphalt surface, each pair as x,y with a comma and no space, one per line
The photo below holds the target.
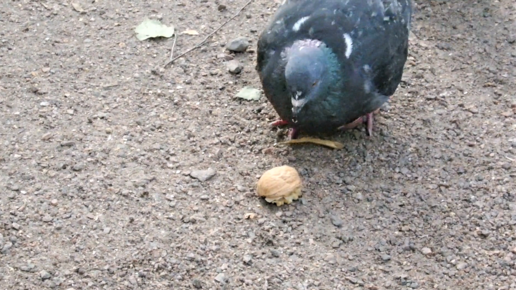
118,174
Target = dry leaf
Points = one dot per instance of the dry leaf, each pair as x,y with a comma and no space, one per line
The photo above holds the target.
327,143
250,94
151,28
190,32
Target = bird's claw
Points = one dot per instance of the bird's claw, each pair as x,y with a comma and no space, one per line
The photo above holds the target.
367,119
292,132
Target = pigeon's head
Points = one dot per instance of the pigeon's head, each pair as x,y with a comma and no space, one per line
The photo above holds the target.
307,74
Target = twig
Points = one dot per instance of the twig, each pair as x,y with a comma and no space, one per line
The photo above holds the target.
172,49
208,36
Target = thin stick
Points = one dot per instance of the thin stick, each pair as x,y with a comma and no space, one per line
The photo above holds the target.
172,49
208,36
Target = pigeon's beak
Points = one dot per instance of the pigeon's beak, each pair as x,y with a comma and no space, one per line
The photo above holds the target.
297,105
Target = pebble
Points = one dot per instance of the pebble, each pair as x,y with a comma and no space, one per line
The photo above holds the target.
484,233
426,251
47,219
461,265
203,175
234,66
221,278
7,247
248,259
16,226
386,257
238,44
28,268
336,221
197,283
78,167
44,275
275,253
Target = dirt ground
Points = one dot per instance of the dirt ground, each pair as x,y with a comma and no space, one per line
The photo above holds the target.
99,142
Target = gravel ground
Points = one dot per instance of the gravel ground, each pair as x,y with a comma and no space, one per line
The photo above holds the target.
117,173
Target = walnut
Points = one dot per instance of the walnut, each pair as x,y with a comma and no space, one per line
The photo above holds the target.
280,185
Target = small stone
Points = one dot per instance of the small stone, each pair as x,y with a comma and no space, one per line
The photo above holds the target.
190,257
461,266
426,251
352,280
238,44
248,259
359,196
221,7
47,219
386,257
107,230
7,247
336,220
67,144
44,104
44,275
78,167
484,233
203,175
16,226
275,253
221,278
28,268
197,283
234,66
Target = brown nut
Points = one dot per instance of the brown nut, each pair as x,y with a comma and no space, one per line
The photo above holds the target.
280,185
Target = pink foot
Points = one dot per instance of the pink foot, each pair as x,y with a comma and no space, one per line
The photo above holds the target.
292,132
367,119
370,120
279,123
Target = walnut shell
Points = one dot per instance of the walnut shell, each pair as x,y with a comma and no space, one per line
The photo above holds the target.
280,185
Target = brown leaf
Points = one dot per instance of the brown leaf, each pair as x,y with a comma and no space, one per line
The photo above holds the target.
327,143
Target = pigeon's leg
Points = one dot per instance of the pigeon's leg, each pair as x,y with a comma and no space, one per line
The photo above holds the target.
279,123
367,119
293,133
353,124
370,120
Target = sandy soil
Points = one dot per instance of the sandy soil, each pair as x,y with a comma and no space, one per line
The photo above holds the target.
99,144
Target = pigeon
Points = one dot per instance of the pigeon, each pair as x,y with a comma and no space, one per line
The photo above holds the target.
330,64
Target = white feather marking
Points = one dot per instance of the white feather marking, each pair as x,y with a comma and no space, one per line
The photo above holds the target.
349,45
298,103
300,22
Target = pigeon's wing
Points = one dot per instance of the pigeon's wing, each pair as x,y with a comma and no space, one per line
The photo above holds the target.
271,68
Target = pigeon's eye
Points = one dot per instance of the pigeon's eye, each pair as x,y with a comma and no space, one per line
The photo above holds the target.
314,84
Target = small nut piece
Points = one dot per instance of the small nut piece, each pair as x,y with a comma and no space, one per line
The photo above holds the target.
280,185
